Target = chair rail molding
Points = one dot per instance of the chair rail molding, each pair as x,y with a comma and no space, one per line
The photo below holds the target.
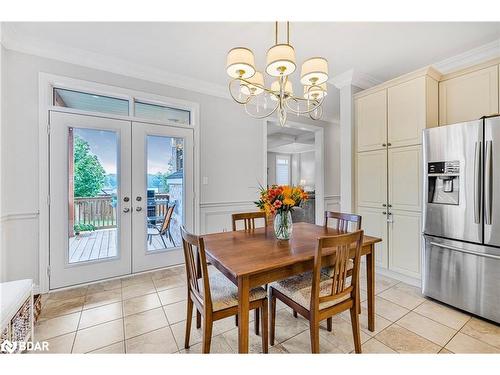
19,216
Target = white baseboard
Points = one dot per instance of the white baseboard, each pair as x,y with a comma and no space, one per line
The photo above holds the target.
396,275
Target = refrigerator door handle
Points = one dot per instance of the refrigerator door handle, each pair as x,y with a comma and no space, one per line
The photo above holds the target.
465,251
477,183
488,183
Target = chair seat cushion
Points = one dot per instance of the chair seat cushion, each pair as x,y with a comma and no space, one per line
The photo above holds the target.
225,294
329,270
298,288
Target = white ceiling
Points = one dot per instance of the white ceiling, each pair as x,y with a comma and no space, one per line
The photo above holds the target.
288,140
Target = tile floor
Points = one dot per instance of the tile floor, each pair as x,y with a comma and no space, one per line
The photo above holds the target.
146,314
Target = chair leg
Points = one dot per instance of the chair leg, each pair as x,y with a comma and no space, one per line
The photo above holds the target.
198,319
355,329
256,321
329,324
272,308
265,329
236,320
163,240
295,314
207,333
188,322
314,332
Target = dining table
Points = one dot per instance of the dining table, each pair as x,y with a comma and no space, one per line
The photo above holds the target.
255,258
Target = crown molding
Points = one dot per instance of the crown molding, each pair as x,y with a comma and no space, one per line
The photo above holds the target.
468,58
13,41
354,78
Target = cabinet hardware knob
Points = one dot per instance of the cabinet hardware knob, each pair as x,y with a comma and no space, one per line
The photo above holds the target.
384,205
389,205
384,213
126,199
389,144
138,209
383,145
126,209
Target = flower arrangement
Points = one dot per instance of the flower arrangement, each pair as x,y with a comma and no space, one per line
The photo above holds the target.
279,200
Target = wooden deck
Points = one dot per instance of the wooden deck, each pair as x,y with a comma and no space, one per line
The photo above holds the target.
101,244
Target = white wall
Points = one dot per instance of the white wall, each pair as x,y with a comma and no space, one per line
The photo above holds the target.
307,169
271,168
332,167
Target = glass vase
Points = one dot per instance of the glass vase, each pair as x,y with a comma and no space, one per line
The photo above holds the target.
283,225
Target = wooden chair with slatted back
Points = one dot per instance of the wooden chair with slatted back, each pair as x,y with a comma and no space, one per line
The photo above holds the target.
317,297
343,220
213,295
249,219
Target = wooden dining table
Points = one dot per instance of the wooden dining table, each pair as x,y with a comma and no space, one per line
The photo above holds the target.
254,258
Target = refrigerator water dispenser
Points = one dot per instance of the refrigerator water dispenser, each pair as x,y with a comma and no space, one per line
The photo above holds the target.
443,182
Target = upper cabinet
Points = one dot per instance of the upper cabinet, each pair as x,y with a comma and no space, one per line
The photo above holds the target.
371,121
411,107
468,96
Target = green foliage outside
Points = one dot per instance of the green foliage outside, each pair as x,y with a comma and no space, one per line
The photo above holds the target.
83,228
90,176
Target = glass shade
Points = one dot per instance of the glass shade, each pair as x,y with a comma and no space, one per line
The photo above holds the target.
314,71
256,85
280,60
240,63
315,92
275,86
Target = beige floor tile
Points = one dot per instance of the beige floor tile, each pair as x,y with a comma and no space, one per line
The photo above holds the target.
139,304
218,345
287,326
101,314
220,326
427,328
159,341
380,322
484,331
69,293
404,341
277,349
173,295
387,309
143,322
57,326
301,343
341,335
443,314
445,351
373,346
136,279
104,286
404,295
98,336
168,272
176,312
170,282
381,283
102,298
254,341
139,289
116,348
60,344
462,343
58,307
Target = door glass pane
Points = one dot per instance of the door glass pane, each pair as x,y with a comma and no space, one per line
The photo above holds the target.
90,102
93,186
162,113
165,192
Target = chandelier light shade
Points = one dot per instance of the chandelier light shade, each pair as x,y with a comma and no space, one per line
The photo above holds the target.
255,85
240,63
280,60
247,88
314,71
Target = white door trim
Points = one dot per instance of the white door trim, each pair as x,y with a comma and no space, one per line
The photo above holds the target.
46,82
319,152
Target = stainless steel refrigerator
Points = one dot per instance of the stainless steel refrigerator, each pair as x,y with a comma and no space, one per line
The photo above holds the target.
461,216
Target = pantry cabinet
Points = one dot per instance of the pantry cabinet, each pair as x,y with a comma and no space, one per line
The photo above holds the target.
375,224
468,96
404,179
371,121
372,178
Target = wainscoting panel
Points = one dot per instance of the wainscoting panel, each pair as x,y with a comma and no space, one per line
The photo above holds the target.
332,203
216,216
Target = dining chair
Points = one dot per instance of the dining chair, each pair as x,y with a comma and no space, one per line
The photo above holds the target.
213,295
317,296
163,229
248,219
343,220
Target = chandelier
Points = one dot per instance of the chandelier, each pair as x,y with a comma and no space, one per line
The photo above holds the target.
248,89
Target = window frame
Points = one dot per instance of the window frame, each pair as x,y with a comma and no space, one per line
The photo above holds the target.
289,170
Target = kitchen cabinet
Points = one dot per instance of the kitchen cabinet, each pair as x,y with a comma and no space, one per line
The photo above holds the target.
411,107
372,178
374,223
371,121
404,237
405,178
468,96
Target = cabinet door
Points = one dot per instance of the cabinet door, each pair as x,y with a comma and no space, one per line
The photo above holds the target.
404,180
468,97
374,223
404,242
371,182
411,106
371,121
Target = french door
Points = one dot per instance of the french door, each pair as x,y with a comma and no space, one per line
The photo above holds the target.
119,192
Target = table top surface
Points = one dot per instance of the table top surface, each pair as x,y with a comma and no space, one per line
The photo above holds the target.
243,253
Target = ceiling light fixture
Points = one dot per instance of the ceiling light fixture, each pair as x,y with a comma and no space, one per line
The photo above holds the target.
248,89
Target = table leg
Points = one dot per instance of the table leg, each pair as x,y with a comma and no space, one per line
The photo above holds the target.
243,310
370,281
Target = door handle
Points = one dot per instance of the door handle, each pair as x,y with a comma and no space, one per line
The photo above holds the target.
488,183
477,183
126,209
465,251
138,209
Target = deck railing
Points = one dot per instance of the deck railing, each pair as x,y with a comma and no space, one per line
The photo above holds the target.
98,211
